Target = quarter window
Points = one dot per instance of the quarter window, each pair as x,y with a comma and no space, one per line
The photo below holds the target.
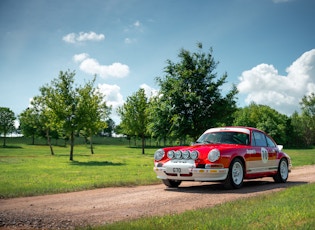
270,142
259,139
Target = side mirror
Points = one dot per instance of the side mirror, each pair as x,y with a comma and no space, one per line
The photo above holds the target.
280,147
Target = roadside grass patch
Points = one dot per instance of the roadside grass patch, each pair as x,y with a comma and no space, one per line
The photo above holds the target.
301,157
292,208
31,170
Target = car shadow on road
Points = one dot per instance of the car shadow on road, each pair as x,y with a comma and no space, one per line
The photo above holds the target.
248,187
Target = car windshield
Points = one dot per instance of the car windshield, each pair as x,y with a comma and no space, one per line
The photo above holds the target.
224,138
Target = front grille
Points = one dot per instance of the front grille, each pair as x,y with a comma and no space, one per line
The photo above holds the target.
201,166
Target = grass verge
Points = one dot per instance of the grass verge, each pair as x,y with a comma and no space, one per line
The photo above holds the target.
29,170
292,208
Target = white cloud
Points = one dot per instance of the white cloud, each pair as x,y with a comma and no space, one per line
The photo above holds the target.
92,66
80,57
112,94
113,98
130,40
70,38
134,27
82,37
137,24
281,1
264,85
149,91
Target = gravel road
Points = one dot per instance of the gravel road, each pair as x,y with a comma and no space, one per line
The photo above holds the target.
100,206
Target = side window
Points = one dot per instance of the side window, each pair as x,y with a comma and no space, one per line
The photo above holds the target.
259,139
241,138
253,139
270,142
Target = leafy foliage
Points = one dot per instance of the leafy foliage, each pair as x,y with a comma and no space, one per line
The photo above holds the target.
265,118
91,111
134,118
304,124
190,98
7,119
66,109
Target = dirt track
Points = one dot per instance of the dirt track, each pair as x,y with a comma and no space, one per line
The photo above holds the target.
100,206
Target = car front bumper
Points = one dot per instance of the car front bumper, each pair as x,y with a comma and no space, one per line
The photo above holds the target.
186,171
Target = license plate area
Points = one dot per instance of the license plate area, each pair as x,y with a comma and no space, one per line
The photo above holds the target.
179,166
177,170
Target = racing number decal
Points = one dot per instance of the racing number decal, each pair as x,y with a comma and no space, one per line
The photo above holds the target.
264,155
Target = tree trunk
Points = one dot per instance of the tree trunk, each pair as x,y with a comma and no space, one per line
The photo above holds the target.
49,142
91,145
4,140
71,145
143,143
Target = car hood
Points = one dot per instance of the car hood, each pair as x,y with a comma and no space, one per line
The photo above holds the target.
204,147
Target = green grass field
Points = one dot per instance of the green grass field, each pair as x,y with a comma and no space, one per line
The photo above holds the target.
28,170
292,208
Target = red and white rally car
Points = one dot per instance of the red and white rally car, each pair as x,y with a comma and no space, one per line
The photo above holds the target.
228,154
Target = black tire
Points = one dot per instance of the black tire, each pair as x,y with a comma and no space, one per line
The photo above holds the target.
283,172
172,183
235,177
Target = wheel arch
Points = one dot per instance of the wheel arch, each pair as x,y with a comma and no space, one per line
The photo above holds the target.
241,159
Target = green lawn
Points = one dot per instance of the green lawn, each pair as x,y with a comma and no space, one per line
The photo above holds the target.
292,208
301,156
28,170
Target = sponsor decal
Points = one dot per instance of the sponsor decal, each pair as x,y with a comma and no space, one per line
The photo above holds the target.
251,151
264,155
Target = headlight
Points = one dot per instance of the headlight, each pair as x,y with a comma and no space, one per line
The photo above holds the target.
159,154
194,154
214,155
170,154
178,154
185,154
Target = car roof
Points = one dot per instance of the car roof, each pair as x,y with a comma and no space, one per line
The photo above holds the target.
241,129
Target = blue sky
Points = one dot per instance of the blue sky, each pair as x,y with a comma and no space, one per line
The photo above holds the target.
267,47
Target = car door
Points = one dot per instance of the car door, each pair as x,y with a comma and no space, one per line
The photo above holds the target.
259,157
272,154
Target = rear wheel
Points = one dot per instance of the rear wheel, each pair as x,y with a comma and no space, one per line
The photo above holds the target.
235,176
172,183
283,172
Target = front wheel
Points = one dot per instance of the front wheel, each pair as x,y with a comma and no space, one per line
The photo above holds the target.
172,183
235,176
283,172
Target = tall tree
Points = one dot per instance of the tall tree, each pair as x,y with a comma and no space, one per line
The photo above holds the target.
160,119
29,123
48,121
110,127
7,119
264,118
191,92
308,118
61,97
39,120
298,130
134,118
92,111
